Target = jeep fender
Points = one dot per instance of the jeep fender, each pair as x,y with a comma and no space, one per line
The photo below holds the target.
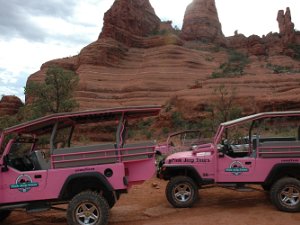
83,181
171,171
282,170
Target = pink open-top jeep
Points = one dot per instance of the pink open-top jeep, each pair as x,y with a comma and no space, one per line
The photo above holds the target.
41,164
261,149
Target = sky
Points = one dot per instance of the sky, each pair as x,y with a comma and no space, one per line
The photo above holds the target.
33,32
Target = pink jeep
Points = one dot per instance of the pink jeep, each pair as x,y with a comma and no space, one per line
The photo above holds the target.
261,149
41,164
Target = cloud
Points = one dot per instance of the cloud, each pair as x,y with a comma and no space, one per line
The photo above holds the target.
12,84
18,18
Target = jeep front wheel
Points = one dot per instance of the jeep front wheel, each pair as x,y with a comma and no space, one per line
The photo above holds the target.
88,208
181,192
285,194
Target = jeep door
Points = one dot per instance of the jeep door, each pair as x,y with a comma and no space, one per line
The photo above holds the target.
235,159
19,180
235,169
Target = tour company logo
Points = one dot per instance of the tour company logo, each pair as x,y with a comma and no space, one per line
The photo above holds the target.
236,168
24,183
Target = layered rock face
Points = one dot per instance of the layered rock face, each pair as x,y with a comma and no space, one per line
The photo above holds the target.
9,105
128,65
201,22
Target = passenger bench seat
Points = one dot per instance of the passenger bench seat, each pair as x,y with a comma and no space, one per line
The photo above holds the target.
39,161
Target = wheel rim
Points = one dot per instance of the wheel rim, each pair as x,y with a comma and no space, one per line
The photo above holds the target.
289,196
182,192
87,214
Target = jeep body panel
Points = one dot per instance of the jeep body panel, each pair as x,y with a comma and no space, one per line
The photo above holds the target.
203,162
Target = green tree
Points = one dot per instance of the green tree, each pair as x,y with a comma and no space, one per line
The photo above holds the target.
54,95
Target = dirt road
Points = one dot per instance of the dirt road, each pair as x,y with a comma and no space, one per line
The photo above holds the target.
146,205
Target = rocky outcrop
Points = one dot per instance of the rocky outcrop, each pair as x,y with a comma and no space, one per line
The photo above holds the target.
127,20
9,105
201,22
286,26
272,43
256,45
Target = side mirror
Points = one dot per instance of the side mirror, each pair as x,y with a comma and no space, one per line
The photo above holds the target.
4,166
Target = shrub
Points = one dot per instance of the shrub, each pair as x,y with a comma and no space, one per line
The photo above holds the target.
234,67
296,49
177,120
281,69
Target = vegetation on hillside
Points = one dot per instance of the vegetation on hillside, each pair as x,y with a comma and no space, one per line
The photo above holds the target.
277,69
224,108
296,49
234,67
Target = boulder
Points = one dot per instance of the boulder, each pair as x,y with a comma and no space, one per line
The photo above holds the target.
10,105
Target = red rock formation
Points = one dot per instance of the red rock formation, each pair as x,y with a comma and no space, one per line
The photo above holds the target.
9,105
129,66
253,45
286,26
129,18
271,44
201,22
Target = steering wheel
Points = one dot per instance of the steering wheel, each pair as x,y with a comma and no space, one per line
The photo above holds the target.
226,149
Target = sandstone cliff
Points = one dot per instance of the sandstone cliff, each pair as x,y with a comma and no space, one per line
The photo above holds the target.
134,63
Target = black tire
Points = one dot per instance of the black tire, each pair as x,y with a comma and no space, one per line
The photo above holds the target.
4,214
266,187
110,198
88,208
181,192
285,194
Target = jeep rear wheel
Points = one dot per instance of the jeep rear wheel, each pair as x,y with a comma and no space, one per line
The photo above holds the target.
285,194
4,214
88,208
181,192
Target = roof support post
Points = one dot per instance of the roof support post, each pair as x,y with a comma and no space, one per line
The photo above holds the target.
53,136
